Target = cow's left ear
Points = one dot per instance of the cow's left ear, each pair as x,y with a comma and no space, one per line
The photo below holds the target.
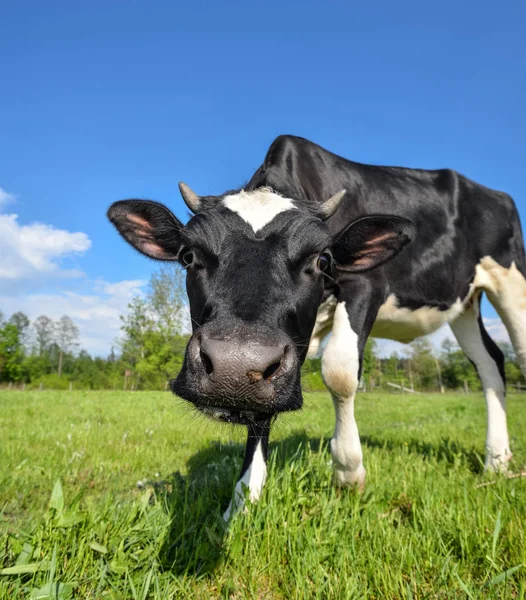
371,241
148,226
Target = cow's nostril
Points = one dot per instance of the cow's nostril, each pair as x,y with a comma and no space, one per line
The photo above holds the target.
207,363
270,370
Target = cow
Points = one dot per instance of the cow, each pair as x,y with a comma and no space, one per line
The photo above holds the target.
316,244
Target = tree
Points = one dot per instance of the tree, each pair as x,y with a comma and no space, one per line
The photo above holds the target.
423,364
511,366
21,322
134,325
11,353
153,344
44,330
66,338
508,350
166,299
369,362
391,368
456,367
112,357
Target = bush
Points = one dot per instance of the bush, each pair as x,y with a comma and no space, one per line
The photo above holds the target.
50,382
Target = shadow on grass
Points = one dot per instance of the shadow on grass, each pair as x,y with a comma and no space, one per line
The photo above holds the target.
197,500
446,450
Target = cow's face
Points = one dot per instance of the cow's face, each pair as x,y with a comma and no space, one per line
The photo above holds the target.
256,264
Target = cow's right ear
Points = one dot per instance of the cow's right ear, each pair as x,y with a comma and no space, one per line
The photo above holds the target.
148,226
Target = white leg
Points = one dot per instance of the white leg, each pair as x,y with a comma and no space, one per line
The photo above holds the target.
489,362
340,367
253,471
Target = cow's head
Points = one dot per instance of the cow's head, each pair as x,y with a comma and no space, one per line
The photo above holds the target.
256,264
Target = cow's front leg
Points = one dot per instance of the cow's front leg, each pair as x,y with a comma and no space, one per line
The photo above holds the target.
254,469
341,369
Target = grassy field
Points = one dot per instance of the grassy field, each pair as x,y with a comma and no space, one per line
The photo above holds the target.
118,495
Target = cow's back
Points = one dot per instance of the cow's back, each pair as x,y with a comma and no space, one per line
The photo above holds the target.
458,221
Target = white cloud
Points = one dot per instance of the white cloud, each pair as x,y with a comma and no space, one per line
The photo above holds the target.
32,257
123,289
97,314
5,197
496,329
34,253
29,252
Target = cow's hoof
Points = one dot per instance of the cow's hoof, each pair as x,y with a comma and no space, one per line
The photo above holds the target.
350,479
497,462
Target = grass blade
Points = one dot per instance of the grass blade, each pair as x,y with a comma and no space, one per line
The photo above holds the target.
464,587
504,575
56,501
496,533
23,569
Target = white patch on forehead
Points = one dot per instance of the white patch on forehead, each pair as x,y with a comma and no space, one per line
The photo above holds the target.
259,207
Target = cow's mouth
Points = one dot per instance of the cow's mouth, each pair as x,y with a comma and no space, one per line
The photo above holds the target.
231,415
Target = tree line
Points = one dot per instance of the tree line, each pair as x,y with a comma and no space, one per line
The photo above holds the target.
46,353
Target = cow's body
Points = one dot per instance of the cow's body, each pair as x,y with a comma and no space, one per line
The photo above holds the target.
458,224
467,240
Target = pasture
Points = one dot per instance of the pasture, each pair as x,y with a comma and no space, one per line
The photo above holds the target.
76,524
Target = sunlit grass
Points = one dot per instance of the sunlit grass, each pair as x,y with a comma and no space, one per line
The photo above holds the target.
143,482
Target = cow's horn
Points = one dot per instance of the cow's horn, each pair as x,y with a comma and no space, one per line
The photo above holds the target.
191,199
329,207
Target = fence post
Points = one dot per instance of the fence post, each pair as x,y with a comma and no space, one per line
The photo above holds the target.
439,373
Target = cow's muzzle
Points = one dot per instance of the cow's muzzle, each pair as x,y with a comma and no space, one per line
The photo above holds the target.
226,376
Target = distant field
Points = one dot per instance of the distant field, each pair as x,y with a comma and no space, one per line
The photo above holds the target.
422,529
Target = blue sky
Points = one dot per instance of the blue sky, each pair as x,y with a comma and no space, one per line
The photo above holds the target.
107,100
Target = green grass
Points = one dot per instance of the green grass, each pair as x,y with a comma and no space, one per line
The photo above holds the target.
422,529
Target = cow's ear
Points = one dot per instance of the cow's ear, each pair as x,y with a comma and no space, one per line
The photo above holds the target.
148,226
371,241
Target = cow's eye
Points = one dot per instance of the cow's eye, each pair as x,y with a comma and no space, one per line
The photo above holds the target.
187,258
324,261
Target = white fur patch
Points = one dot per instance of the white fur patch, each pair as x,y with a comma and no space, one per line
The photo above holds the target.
254,479
392,322
506,290
404,324
258,208
340,364
340,360
323,325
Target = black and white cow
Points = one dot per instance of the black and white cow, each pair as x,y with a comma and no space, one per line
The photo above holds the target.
312,245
